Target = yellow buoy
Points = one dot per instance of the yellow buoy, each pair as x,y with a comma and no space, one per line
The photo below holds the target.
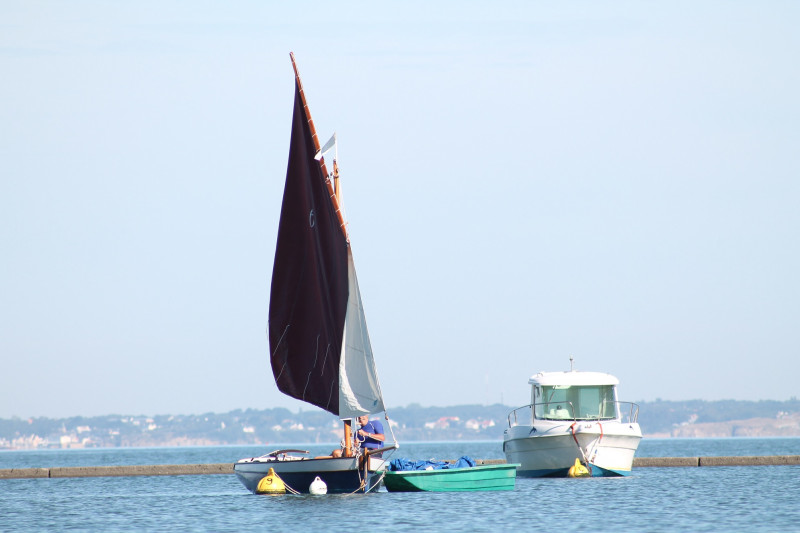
271,484
578,470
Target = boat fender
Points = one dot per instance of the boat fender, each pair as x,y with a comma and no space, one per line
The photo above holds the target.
318,486
271,484
578,470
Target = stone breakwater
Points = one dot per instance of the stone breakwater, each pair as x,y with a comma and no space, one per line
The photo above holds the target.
117,471
752,460
227,468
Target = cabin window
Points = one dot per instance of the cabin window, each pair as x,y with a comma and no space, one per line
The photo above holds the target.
564,402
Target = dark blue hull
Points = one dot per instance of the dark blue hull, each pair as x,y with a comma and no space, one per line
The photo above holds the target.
340,475
594,470
345,482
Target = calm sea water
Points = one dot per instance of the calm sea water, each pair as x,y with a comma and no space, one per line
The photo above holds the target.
652,499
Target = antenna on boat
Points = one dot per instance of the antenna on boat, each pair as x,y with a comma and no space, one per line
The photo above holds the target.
571,363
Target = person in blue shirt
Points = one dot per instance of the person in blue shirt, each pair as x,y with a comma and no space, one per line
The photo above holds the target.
370,436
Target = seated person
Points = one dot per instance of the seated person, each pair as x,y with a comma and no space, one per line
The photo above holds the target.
335,454
562,413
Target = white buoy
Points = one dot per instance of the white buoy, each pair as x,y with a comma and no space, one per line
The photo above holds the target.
318,486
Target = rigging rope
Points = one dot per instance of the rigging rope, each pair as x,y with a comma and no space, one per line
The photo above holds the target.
595,444
578,444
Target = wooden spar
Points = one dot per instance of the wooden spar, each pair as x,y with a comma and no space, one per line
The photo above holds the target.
328,181
336,179
331,182
380,450
348,438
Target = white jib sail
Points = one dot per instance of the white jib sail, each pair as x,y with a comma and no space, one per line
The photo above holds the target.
359,391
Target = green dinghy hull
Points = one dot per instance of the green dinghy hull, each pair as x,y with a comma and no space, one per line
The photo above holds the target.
476,478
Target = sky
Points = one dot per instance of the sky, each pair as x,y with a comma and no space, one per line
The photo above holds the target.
524,182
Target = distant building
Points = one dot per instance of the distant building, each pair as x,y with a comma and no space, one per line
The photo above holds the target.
442,423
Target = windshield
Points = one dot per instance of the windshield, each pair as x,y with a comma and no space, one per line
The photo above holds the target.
564,402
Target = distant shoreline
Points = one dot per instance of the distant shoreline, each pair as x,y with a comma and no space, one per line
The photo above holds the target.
658,420
205,444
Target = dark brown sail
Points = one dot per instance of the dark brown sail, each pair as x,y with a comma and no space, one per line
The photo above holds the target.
308,298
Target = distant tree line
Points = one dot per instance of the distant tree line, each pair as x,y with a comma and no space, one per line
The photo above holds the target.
279,425
661,416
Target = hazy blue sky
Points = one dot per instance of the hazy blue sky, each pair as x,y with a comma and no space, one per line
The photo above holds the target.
524,181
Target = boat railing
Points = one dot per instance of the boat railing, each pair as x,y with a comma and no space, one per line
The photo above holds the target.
513,418
554,410
629,413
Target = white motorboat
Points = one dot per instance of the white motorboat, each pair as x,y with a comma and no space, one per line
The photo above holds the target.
573,415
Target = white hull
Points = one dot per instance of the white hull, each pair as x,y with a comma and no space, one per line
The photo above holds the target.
551,449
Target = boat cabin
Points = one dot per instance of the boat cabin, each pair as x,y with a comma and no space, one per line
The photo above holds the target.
574,395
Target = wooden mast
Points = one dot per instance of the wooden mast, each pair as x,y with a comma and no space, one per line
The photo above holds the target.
329,183
348,438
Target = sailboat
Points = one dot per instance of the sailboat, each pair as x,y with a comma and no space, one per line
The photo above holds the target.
320,350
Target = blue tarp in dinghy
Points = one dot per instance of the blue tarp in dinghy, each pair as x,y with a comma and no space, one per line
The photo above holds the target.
402,463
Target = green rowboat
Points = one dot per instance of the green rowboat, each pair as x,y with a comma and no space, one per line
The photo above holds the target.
485,477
